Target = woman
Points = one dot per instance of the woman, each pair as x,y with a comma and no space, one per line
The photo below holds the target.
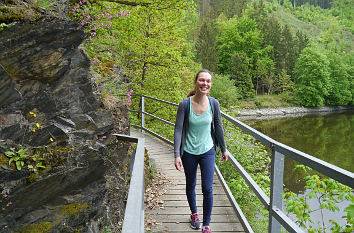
198,131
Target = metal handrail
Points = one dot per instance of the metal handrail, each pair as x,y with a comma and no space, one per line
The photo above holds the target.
273,204
134,210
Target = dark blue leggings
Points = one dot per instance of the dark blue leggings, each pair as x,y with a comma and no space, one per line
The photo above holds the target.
206,162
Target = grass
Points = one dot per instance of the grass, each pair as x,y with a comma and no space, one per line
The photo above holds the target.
268,101
45,4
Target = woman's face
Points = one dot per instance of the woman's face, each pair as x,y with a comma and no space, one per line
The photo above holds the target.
203,83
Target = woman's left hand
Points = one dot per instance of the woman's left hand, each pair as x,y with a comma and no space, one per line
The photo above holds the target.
224,156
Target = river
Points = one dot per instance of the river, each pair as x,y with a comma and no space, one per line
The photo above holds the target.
329,137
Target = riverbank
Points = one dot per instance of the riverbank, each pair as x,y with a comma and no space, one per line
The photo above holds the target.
267,113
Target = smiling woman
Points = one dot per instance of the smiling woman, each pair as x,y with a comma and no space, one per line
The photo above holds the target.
198,130
206,74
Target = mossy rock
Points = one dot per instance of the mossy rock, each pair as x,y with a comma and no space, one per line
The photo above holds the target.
73,208
19,11
42,227
33,177
4,161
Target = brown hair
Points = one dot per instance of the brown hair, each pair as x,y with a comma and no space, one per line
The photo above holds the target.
192,92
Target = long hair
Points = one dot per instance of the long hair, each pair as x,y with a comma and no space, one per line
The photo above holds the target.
192,92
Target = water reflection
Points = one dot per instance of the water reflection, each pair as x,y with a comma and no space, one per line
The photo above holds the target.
329,137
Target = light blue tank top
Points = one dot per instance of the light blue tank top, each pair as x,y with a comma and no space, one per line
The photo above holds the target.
199,140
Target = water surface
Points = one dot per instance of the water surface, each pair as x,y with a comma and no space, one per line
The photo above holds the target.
329,137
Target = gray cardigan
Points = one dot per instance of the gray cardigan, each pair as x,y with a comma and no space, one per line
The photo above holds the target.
182,126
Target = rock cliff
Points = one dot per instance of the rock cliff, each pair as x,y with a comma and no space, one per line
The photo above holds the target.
49,107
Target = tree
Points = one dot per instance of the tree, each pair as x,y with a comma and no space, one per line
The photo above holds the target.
287,50
206,45
312,77
283,82
240,40
229,96
340,92
241,73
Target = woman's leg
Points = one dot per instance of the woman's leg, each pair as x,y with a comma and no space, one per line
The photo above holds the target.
207,162
190,165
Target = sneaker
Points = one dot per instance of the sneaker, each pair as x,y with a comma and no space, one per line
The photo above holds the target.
195,222
206,229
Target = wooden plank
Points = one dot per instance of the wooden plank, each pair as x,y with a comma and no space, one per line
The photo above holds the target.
199,197
216,191
174,215
185,210
215,227
219,203
185,218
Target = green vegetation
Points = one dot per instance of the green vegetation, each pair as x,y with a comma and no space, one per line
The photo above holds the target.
254,157
327,193
73,208
42,227
263,54
20,157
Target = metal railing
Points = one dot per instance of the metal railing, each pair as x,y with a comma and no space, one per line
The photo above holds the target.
134,210
273,204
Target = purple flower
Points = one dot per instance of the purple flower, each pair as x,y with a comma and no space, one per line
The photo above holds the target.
5,195
10,203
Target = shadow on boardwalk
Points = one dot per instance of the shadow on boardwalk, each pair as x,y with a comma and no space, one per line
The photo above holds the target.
174,215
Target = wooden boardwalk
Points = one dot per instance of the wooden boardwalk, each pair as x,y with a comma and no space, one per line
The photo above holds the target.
174,216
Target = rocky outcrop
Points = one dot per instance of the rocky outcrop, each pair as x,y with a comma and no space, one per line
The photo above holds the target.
47,103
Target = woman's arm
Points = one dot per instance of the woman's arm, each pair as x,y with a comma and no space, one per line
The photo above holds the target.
219,132
178,129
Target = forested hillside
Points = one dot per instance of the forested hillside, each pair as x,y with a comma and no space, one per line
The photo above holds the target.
301,50
274,48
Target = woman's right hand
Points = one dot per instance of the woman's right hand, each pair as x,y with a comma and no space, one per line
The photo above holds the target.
178,164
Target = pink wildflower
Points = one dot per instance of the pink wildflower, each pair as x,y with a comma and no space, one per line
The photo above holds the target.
10,203
5,195
80,3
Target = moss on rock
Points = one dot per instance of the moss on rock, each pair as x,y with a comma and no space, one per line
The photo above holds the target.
33,177
42,227
4,161
19,11
73,208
